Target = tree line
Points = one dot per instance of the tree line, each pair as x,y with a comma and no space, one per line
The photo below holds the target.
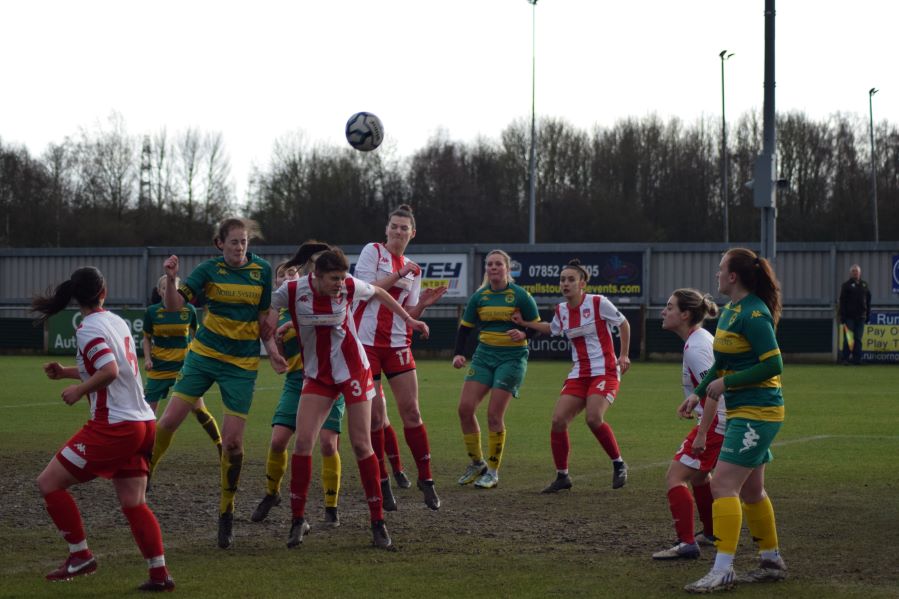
640,180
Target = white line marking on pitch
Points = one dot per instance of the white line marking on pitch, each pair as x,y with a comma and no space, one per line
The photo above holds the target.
56,403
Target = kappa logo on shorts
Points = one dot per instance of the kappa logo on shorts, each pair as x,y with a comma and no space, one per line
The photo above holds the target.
81,448
750,438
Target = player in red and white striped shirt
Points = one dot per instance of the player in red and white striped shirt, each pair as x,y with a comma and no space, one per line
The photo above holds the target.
117,440
683,314
592,385
334,363
387,340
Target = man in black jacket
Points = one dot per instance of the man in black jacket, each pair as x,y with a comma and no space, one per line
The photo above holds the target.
855,307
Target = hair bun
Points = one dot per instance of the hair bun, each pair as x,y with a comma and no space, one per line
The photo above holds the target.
574,262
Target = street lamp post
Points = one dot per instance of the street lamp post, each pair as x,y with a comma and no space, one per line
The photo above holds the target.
532,163
724,56
871,93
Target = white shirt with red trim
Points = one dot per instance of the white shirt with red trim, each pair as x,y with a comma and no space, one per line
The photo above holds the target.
332,352
589,329
378,326
698,358
102,338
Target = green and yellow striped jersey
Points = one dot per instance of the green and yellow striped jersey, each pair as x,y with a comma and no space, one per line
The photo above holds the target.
492,311
169,334
744,338
235,297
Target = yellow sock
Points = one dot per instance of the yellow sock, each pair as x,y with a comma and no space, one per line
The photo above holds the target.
275,467
331,478
231,466
495,445
163,440
207,421
473,446
762,527
727,518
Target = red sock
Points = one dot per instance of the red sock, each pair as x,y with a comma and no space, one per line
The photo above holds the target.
561,446
392,448
65,515
704,499
417,439
377,444
681,504
606,438
146,532
368,472
300,477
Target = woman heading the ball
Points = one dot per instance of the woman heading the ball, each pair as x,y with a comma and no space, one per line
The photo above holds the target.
592,384
238,288
684,314
747,366
334,363
117,439
388,345
498,366
285,416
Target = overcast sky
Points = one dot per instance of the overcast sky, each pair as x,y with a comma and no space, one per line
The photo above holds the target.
258,70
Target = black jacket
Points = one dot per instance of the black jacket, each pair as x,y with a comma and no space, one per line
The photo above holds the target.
855,300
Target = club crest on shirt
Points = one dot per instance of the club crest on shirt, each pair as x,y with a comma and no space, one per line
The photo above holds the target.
184,315
586,313
256,275
510,299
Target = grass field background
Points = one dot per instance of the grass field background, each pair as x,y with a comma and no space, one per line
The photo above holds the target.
833,483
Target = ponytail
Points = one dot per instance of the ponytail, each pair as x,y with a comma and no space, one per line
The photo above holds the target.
756,276
85,286
304,254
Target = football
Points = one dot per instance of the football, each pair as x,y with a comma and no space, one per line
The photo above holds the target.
364,131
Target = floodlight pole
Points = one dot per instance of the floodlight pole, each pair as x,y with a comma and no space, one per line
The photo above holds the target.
724,56
532,163
764,195
871,93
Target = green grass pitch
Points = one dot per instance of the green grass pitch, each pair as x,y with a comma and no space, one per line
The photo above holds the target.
833,484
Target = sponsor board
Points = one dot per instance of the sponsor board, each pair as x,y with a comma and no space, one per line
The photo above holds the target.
880,342
617,275
61,330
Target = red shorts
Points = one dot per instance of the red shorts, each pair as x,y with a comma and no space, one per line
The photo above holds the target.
390,360
119,450
355,389
585,386
706,461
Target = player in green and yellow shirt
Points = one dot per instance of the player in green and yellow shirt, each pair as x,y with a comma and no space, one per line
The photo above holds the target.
498,365
166,335
747,368
284,420
237,287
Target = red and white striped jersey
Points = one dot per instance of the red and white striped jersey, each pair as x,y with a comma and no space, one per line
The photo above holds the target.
698,358
589,328
331,349
102,338
378,326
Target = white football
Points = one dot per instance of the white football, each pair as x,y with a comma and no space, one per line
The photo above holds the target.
364,131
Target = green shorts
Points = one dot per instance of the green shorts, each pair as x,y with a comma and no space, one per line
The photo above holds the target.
157,389
286,412
199,373
499,367
747,443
